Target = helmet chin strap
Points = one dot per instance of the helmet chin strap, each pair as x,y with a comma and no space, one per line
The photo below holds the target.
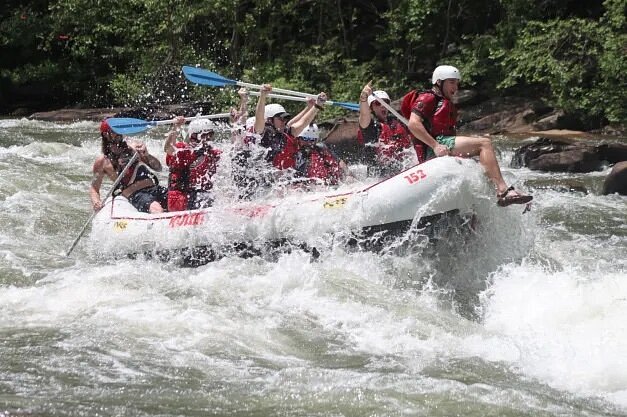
439,87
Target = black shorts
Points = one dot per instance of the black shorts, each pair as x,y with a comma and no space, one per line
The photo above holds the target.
143,198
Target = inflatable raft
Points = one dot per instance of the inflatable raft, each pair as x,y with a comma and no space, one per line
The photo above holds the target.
412,199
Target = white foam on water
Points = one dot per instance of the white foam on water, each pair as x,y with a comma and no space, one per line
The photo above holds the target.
570,327
40,124
296,327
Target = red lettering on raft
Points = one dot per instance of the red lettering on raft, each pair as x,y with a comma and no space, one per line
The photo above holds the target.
187,220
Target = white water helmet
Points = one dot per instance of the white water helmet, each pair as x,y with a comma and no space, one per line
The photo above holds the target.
275,110
250,123
201,125
379,93
311,133
445,72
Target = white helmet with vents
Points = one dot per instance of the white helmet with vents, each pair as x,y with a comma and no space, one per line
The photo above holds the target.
201,125
311,133
445,72
275,110
379,93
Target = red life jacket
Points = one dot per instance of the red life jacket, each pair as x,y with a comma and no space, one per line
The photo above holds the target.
284,158
317,161
407,102
192,169
177,178
439,114
202,169
393,139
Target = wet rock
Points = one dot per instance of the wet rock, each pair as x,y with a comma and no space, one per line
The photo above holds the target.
527,153
152,112
20,112
72,115
562,134
502,115
616,181
342,130
577,159
466,96
567,155
613,152
613,130
552,121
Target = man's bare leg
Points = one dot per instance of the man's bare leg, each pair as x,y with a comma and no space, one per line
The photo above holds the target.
468,146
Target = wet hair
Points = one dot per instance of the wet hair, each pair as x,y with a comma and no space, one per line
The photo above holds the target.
106,143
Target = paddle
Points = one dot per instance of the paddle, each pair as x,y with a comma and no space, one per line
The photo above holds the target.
130,126
115,184
391,110
212,79
348,106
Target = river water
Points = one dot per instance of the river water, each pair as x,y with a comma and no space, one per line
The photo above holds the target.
527,318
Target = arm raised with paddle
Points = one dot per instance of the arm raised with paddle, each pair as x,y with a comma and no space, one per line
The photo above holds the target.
212,79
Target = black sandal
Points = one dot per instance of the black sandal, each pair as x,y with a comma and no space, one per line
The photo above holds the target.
504,200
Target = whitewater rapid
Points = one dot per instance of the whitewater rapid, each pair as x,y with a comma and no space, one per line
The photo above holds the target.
529,318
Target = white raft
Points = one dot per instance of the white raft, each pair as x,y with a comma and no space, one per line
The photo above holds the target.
436,187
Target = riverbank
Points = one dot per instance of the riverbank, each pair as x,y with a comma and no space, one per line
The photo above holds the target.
509,116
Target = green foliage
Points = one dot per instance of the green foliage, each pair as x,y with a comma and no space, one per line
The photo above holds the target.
561,55
130,52
573,63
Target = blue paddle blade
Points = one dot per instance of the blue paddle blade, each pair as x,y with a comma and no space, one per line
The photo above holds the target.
348,106
128,126
206,77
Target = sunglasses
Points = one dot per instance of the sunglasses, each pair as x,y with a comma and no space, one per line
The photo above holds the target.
203,134
377,103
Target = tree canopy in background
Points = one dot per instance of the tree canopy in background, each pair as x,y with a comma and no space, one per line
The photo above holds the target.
129,52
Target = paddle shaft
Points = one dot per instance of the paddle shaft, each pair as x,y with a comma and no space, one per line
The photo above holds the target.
391,110
187,119
295,98
115,184
278,90
279,96
209,78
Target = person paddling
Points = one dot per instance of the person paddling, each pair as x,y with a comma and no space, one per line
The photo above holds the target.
314,159
277,135
433,121
383,137
139,185
246,155
191,165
